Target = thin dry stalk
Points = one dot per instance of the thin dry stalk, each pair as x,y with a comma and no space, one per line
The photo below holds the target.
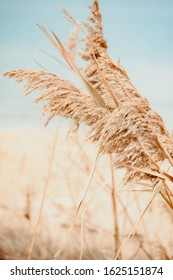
81,237
146,234
117,242
36,230
54,58
124,207
156,190
28,206
167,195
78,211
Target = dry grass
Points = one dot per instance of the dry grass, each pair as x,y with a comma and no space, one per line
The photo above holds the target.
28,166
120,121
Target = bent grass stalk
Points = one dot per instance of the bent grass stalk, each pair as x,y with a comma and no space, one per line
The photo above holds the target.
154,193
78,211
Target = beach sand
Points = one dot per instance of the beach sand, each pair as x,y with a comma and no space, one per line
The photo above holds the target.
32,161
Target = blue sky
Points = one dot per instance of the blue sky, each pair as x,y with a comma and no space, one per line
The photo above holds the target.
139,33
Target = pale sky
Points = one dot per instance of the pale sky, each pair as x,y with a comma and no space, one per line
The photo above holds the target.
139,33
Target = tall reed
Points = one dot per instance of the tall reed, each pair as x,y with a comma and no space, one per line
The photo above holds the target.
121,121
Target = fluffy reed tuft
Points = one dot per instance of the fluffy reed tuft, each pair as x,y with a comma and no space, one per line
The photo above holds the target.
95,33
72,43
121,122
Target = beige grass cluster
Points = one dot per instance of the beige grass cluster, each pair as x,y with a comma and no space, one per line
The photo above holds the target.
121,121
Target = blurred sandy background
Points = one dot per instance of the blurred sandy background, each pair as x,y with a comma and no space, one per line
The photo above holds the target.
33,159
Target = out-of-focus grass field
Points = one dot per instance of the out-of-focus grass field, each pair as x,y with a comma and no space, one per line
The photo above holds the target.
29,162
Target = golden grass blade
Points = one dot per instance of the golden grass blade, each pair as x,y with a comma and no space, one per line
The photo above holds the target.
93,57
78,211
143,222
168,194
162,175
106,84
167,200
97,98
163,148
156,190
